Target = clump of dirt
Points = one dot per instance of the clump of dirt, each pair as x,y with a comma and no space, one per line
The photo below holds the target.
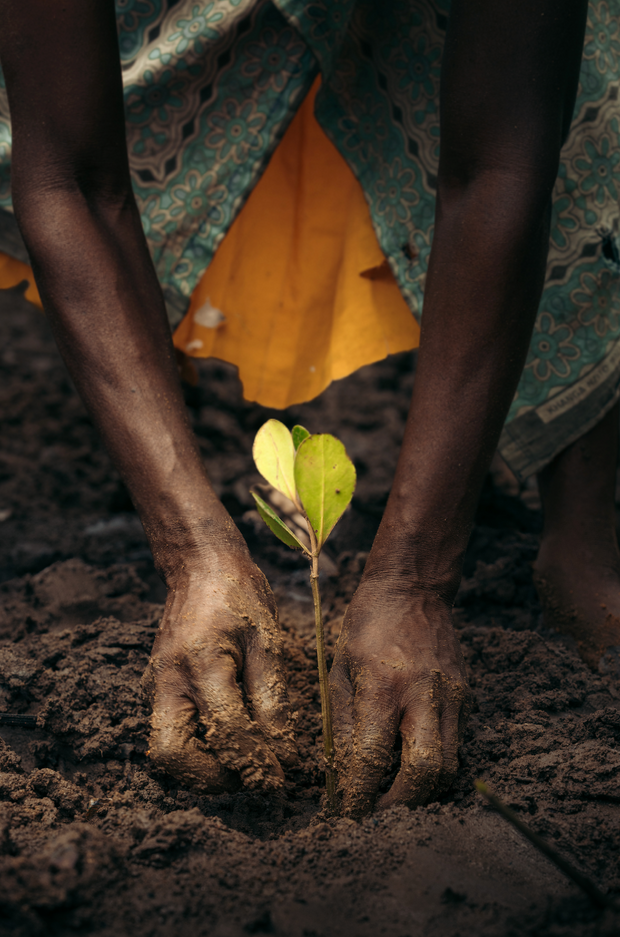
93,840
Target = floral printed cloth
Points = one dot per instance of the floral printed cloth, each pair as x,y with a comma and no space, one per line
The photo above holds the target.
211,86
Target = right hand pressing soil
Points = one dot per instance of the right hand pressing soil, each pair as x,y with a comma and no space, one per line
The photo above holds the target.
217,661
398,668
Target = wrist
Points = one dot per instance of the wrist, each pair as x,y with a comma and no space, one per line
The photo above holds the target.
412,560
184,549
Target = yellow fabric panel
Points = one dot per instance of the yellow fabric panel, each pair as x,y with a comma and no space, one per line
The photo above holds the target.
306,292
13,272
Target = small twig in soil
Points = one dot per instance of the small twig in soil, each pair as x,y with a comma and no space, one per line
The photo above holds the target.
13,719
588,886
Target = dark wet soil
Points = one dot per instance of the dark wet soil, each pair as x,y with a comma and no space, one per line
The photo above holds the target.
94,841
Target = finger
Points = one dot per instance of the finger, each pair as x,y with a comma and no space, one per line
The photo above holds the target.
236,741
421,759
450,737
375,724
174,749
267,696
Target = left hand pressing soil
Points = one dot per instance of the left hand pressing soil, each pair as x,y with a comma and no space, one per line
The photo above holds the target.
217,660
398,669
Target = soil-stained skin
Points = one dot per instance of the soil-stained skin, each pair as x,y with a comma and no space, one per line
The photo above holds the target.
398,671
95,839
230,678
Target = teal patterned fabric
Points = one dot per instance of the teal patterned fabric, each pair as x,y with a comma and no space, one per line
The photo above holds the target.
210,88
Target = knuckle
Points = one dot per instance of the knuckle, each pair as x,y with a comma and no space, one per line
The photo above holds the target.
147,684
344,656
269,638
338,679
379,674
453,683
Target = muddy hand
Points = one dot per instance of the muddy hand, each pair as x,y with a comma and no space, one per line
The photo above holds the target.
398,669
217,661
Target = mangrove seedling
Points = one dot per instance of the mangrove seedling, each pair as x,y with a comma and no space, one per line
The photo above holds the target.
316,474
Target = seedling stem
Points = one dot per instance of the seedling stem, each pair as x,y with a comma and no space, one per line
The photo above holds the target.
317,476
326,703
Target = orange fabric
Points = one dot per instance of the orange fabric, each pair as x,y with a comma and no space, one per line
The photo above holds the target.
305,290
13,272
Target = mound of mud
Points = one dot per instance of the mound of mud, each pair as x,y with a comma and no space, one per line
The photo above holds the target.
94,841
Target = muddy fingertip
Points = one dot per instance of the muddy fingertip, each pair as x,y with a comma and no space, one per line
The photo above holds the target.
193,766
282,743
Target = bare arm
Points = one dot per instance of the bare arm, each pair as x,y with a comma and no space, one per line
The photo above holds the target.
509,81
74,203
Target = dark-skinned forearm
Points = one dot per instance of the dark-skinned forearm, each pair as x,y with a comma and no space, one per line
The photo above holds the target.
107,313
509,80
73,200
476,329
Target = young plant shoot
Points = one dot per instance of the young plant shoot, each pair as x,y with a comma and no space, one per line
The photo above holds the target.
316,474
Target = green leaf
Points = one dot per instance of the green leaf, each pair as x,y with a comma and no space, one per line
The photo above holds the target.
274,456
279,528
325,480
299,433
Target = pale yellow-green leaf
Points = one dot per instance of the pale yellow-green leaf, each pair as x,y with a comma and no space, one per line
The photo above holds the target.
325,481
277,526
274,456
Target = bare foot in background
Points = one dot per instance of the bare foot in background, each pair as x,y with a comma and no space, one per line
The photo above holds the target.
582,600
577,572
